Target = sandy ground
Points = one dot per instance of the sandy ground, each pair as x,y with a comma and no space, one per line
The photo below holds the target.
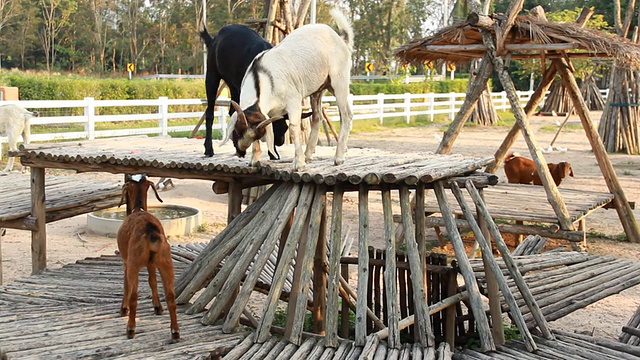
69,240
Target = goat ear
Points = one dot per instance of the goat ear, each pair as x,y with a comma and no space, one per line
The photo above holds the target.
268,121
570,170
239,111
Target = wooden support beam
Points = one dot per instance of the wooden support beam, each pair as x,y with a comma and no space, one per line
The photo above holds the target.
625,214
495,278
363,265
517,277
484,73
319,313
390,272
38,210
475,299
234,201
553,195
333,280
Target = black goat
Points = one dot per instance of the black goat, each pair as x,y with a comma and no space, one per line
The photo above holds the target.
230,52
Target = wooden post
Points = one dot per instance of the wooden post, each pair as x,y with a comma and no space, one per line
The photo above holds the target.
334,260
553,195
497,278
363,265
319,276
423,321
2,231
495,309
279,276
510,263
475,299
234,200
38,210
294,333
390,271
620,200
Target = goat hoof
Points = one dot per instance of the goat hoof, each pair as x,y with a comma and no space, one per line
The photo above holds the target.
338,161
175,334
158,309
131,333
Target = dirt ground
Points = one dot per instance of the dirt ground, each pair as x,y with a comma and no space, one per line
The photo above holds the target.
69,240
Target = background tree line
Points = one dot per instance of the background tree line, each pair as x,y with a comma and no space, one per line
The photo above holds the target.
99,37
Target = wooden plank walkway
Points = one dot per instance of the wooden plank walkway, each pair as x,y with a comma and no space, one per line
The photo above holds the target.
71,313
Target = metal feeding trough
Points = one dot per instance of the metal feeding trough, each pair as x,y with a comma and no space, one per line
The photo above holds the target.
177,220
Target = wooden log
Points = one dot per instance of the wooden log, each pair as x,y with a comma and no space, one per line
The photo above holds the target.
38,210
390,272
490,262
319,312
553,195
348,291
240,349
315,221
634,321
194,277
625,214
475,300
269,244
484,73
333,279
363,265
625,348
302,209
508,260
370,347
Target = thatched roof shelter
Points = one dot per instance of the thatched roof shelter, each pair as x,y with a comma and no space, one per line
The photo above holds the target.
530,37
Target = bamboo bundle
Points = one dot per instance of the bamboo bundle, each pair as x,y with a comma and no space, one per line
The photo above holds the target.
532,244
619,124
591,94
558,101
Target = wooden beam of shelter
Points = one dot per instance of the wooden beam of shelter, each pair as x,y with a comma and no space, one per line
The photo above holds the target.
553,195
620,200
534,100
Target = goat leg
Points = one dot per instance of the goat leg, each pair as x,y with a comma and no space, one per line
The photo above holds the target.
153,284
132,278
167,275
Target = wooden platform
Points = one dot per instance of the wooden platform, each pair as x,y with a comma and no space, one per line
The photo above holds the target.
182,158
71,313
528,203
563,282
65,197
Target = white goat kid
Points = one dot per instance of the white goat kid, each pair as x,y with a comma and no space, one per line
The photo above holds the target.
312,59
14,121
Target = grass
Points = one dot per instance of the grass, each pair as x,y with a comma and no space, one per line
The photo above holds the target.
554,128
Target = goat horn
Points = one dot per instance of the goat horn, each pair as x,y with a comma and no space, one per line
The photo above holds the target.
269,121
153,186
238,109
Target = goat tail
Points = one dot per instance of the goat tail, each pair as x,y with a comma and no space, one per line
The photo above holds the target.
206,37
345,30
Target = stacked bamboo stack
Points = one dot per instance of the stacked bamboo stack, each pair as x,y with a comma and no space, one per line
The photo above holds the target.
290,218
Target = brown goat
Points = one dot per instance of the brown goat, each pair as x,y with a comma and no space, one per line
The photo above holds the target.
142,242
520,170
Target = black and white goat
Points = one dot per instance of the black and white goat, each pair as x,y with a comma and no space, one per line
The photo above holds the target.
312,59
230,52
14,121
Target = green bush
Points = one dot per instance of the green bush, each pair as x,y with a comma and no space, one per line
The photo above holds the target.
444,86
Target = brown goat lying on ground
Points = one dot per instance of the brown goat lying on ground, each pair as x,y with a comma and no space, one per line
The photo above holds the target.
142,242
521,170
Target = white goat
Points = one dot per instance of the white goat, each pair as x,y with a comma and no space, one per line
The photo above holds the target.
14,121
312,59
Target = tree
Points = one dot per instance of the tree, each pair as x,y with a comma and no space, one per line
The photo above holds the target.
55,16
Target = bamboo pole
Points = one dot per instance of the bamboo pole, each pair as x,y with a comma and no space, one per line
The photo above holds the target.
497,276
510,263
233,316
363,264
38,210
620,200
279,277
390,271
475,299
319,312
333,279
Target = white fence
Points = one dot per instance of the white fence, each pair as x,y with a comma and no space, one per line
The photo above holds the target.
378,106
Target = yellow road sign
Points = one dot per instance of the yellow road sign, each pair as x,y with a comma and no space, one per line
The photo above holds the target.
131,67
368,66
429,64
451,66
